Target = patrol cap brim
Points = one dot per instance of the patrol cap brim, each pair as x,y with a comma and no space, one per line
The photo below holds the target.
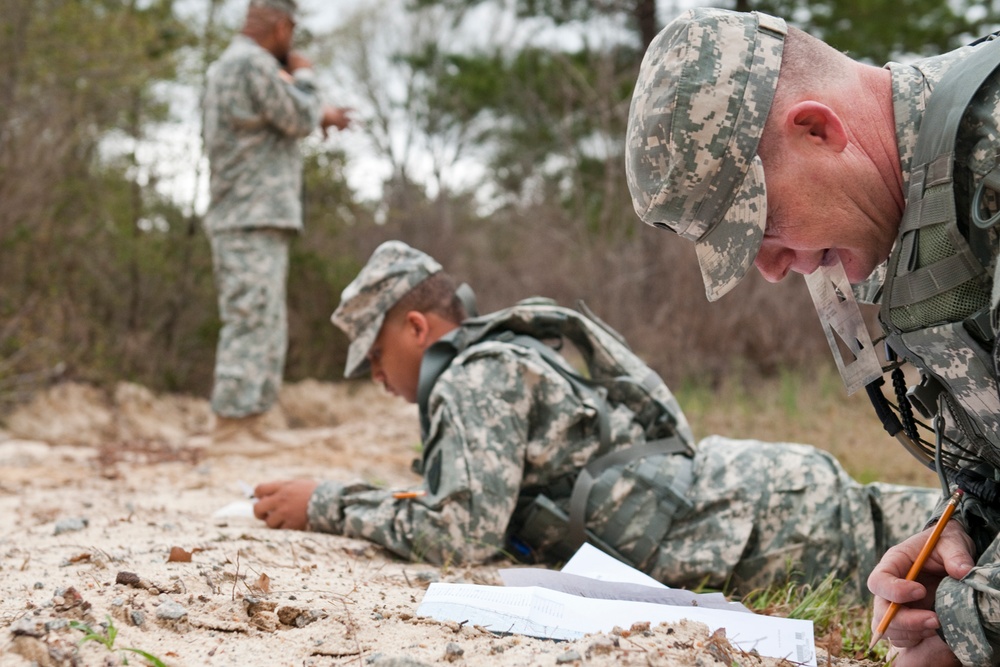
357,353
725,259
390,273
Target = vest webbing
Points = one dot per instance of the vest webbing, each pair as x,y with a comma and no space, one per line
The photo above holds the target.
950,293
439,356
930,197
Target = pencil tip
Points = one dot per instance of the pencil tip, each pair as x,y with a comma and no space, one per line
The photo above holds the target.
875,640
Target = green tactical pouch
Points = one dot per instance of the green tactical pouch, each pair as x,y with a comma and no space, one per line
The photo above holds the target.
541,535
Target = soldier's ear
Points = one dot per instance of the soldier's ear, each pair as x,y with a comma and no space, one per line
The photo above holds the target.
418,326
817,124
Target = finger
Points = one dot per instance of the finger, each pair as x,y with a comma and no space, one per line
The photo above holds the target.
955,549
267,488
263,507
891,588
887,580
909,625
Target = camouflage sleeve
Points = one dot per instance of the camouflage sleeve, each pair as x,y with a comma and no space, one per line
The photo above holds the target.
324,508
969,610
472,470
294,109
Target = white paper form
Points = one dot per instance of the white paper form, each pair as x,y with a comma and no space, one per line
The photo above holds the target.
589,561
539,612
612,590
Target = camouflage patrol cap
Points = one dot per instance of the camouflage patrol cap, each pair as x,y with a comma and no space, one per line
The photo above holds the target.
393,270
290,7
701,99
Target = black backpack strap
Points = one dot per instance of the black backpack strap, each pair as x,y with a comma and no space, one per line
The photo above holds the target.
435,361
439,356
468,298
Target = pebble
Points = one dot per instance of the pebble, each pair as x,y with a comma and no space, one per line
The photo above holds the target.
453,652
170,611
568,656
56,624
70,525
427,577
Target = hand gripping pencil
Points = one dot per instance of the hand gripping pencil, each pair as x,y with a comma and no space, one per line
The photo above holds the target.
918,564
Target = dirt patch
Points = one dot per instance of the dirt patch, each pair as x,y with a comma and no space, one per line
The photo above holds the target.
98,490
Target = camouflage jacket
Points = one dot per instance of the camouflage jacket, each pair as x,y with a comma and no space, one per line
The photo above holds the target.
251,123
950,352
503,420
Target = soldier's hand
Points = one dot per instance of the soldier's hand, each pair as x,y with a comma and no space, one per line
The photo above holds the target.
931,651
338,117
284,504
916,621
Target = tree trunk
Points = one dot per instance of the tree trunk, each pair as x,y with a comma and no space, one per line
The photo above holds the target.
645,17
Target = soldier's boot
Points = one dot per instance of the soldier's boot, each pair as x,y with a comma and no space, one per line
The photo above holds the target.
241,436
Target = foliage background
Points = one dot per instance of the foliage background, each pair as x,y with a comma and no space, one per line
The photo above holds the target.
502,154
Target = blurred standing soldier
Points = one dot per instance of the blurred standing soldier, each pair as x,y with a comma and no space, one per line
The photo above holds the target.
260,100
765,146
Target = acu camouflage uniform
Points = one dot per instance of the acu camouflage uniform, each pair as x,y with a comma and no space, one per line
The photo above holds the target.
951,349
503,422
692,168
252,121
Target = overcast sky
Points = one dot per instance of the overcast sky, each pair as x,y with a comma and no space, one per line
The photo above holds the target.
172,157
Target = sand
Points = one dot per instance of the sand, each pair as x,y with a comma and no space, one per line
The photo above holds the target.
108,520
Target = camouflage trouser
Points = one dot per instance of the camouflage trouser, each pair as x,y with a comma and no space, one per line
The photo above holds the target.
762,511
251,271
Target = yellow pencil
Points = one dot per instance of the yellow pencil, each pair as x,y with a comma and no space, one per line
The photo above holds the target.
918,564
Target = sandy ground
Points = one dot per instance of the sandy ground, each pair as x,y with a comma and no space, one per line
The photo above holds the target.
107,516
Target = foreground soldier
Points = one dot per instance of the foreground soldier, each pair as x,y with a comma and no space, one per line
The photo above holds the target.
862,165
507,432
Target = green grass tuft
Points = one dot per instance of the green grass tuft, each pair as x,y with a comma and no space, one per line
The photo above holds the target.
841,622
107,639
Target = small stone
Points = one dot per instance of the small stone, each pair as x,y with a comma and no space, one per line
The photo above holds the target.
137,618
287,615
601,646
641,627
453,652
427,577
170,611
569,656
28,627
56,624
265,620
71,524
307,617
129,579
256,605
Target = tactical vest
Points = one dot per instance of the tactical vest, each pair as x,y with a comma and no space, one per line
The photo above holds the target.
614,375
935,303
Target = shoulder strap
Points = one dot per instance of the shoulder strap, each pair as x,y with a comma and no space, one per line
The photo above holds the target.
928,202
440,355
468,298
435,361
